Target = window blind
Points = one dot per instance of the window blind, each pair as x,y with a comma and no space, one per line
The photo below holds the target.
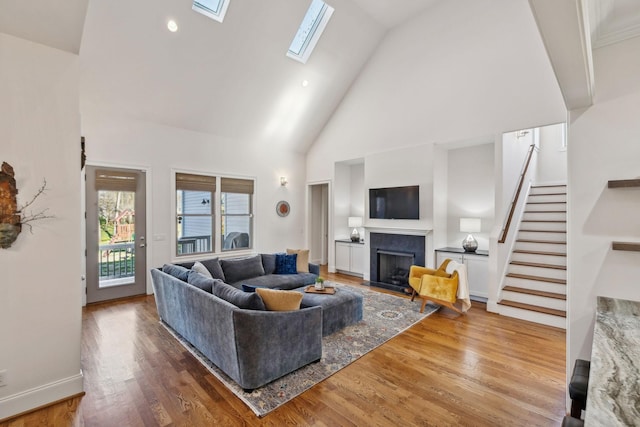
115,180
235,185
190,182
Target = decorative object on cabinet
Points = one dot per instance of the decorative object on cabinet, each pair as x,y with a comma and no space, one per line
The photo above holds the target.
355,222
283,208
470,225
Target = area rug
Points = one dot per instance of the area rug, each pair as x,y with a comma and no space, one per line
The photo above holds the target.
384,316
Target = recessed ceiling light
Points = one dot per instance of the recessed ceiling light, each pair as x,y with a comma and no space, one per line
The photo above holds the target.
172,26
305,83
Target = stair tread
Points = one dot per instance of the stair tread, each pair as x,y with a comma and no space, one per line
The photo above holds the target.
532,212
541,241
561,221
544,203
535,292
548,185
544,231
537,278
536,308
522,251
539,265
547,194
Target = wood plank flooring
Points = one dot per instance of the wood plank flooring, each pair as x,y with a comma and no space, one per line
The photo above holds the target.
479,369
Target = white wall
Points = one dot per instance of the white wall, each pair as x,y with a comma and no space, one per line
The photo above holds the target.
603,145
461,70
130,142
40,290
470,192
552,157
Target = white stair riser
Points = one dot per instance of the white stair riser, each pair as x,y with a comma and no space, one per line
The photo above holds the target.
556,304
552,198
546,206
542,247
547,216
549,273
541,235
543,226
541,259
547,190
533,316
536,285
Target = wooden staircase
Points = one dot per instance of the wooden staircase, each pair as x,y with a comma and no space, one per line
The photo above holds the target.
536,280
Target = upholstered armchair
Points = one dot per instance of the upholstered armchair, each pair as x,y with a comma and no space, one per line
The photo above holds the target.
437,286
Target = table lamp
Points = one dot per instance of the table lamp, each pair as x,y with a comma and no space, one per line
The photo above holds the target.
470,225
355,222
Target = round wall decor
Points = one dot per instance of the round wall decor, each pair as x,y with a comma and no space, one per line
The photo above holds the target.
283,208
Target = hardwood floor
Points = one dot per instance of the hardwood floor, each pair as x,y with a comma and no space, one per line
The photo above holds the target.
479,369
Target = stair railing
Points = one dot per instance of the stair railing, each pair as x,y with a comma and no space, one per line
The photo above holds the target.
516,197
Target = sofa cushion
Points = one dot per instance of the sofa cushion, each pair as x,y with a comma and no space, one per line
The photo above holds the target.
246,300
276,300
200,281
201,269
251,288
213,265
286,264
236,270
176,271
269,263
279,281
302,261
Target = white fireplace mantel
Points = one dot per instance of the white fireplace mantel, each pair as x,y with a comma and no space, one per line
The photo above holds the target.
399,230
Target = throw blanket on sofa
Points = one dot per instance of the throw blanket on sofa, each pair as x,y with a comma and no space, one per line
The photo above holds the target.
463,283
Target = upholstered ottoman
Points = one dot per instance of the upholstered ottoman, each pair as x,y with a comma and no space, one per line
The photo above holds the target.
341,309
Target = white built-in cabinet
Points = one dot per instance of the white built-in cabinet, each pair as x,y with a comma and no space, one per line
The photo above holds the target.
477,269
350,257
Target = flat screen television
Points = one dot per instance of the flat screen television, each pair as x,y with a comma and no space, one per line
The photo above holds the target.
394,202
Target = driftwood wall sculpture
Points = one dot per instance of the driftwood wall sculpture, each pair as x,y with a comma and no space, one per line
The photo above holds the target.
13,218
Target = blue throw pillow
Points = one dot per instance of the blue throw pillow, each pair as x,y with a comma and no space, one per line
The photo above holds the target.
286,264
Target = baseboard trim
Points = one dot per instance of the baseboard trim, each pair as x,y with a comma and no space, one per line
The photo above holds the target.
37,397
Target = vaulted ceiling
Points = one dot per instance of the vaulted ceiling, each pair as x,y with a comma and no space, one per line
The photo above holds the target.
233,79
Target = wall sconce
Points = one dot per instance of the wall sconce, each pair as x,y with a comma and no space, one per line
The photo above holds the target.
470,225
283,181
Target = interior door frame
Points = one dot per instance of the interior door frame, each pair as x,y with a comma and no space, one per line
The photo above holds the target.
149,221
329,218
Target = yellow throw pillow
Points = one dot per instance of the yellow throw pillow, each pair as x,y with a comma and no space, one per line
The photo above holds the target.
303,259
277,300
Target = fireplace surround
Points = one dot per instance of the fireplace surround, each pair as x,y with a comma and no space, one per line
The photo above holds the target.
391,256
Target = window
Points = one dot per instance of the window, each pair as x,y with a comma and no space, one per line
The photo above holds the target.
214,9
194,213
236,213
310,30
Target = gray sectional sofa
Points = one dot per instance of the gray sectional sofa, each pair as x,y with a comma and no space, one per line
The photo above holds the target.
252,346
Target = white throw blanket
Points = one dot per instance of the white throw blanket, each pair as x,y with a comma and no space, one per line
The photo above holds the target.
463,283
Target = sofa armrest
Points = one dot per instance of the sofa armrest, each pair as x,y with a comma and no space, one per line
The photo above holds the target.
271,344
314,268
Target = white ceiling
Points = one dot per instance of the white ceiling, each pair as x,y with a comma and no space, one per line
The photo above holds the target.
233,79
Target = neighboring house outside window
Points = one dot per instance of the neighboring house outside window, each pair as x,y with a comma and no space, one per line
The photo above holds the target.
194,213
236,213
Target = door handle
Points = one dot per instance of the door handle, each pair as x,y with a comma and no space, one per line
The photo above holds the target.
142,245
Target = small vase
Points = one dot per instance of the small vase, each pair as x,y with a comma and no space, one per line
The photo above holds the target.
319,286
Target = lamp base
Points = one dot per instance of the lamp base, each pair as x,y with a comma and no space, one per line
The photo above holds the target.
470,244
355,236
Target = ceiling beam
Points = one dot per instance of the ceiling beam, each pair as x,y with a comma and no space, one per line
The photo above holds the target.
564,28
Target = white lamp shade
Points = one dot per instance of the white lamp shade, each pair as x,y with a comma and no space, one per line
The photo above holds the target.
355,221
470,225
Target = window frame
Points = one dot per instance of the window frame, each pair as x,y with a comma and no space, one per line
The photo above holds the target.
199,182
204,10
312,38
248,188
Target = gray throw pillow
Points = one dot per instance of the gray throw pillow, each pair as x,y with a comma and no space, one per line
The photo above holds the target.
199,268
246,300
269,263
201,281
213,265
236,270
176,271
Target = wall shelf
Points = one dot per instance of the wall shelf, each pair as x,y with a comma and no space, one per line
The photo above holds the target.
626,246
624,183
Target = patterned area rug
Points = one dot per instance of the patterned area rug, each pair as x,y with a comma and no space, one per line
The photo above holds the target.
384,316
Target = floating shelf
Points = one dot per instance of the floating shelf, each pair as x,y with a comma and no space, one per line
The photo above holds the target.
626,246
624,183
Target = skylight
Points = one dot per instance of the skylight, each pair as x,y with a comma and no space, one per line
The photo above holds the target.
310,30
214,9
